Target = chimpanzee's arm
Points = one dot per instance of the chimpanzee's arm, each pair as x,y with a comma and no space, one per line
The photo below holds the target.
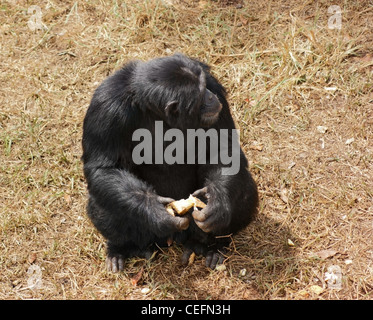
107,132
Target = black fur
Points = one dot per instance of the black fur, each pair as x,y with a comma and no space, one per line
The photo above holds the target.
124,202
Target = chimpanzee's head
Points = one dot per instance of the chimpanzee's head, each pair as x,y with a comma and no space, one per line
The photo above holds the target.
175,89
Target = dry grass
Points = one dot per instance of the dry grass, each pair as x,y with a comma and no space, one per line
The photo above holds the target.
277,60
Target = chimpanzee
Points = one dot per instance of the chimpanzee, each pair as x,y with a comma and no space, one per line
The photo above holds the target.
127,199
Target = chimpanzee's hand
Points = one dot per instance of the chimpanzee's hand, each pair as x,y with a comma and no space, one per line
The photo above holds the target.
215,216
178,222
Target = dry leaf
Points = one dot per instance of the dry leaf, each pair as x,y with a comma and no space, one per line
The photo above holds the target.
145,290
346,38
304,293
292,108
253,103
203,4
244,21
349,141
322,129
256,146
325,254
367,58
32,257
365,61
221,267
330,88
291,165
316,289
283,194
242,272
137,277
67,198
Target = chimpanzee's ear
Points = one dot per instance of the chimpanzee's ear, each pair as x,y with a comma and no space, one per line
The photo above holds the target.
172,109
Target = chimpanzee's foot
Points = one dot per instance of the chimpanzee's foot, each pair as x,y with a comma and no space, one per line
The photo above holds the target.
214,258
115,263
116,256
214,255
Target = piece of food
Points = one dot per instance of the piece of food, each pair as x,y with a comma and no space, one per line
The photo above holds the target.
191,259
182,206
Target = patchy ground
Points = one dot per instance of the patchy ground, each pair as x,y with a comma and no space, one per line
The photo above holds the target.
300,91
